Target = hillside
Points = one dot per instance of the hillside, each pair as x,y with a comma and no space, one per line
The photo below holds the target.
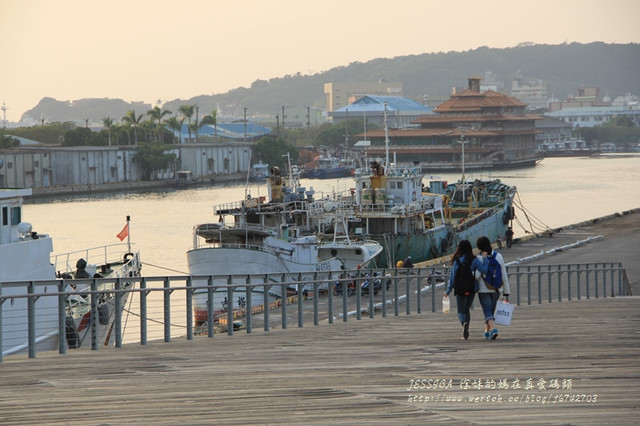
611,67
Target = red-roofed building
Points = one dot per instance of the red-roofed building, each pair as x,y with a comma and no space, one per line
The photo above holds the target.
496,129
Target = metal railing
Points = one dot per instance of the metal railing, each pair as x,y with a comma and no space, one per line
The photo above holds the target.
169,306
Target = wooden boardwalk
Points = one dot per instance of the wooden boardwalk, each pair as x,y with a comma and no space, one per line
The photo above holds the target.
572,362
581,360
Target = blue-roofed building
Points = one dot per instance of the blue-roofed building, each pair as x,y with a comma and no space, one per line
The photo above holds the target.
224,131
401,111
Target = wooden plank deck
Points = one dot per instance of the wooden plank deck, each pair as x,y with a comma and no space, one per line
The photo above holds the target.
582,359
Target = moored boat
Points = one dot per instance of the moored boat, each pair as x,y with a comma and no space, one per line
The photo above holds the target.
28,266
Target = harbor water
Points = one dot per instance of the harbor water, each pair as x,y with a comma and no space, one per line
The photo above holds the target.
555,193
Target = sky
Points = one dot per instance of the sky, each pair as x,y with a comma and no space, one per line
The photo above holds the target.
159,50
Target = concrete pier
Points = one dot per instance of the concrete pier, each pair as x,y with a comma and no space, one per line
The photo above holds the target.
574,362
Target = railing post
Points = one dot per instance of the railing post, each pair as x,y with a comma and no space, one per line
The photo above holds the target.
569,282
118,312
433,282
210,301
559,283
31,319
316,295
167,309
62,320
596,280
587,276
419,293
407,291
528,285
396,291
267,307
249,306
229,305
345,290
384,293
359,299
539,284
518,300
550,295
143,311
189,307
300,294
283,286
372,290
94,315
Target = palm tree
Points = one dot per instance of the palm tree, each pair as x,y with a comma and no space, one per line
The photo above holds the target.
157,114
175,124
108,124
131,119
213,121
187,111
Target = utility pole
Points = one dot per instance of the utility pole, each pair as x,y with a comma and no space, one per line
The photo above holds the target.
245,123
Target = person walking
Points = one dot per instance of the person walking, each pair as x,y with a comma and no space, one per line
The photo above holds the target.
509,237
462,281
488,290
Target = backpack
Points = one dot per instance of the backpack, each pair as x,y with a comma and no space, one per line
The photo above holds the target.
464,282
493,279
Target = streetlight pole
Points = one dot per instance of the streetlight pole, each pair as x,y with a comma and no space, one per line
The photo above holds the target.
463,142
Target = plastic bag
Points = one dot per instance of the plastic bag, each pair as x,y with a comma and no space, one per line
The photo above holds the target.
446,304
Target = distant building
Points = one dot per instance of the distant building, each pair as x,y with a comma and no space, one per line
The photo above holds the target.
338,95
401,112
532,92
495,127
586,97
594,115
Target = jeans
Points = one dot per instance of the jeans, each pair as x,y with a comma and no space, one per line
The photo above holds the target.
464,306
488,301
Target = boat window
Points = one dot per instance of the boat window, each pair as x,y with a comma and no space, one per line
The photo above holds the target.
5,216
16,215
399,185
392,185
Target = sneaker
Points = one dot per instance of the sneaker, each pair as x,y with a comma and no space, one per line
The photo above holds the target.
465,330
494,334
487,335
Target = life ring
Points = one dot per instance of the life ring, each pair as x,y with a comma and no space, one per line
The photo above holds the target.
413,196
127,256
71,332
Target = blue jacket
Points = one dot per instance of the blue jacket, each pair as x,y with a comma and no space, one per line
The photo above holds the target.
477,264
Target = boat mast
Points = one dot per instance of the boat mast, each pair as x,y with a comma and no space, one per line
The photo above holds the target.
128,235
386,137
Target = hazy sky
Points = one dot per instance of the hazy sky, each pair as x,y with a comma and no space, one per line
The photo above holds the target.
149,50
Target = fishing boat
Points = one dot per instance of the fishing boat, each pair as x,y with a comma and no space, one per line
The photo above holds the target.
331,168
259,172
28,266
256,236
390,204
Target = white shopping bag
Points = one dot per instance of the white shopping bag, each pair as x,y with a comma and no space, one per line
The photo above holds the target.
445,304
504,313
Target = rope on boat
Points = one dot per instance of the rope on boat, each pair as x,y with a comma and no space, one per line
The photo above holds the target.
153,320
538,226
166,269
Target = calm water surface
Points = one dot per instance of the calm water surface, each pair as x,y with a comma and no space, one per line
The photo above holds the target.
557,192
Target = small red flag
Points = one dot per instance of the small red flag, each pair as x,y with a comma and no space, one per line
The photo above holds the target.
123,234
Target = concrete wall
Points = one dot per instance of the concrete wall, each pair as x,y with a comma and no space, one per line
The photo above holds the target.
42,167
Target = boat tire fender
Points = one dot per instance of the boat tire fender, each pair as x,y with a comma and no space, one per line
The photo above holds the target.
127,256
71,331
103,314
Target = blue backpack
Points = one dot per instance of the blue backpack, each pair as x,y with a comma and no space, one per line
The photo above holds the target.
493,279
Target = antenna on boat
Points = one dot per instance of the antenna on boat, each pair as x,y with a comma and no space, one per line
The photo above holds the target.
128,234
246,187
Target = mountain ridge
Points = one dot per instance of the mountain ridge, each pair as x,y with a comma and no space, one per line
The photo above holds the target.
564,67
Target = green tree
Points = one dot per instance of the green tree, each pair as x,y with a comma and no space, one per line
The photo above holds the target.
152,156
8,142
133,121
211,120
187,112
175,124
273,151
157,114
81,136
108,124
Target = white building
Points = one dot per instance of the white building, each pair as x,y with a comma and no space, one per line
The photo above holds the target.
594,116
